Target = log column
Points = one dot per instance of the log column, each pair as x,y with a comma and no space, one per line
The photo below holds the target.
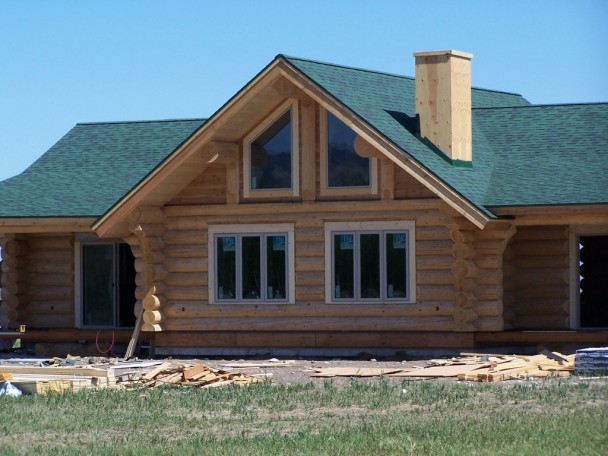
147,227
12,280
464,272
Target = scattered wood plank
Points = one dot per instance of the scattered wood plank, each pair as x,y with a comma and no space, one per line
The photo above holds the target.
353,372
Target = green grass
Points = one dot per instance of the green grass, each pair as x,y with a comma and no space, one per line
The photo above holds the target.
552,417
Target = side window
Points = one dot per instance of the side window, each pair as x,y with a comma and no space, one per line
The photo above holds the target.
250,266
271,155
367,262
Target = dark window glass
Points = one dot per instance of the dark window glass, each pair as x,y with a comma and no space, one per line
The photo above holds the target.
275,267
98,284
396,276
271,156
345,168
250,261
369,246
226,267
593,275
344,265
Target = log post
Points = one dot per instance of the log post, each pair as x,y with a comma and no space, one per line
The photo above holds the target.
146,225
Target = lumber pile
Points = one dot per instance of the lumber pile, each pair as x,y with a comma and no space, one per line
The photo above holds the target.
592,360
184,374
471,367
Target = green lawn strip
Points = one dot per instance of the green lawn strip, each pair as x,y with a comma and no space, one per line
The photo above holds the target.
549,417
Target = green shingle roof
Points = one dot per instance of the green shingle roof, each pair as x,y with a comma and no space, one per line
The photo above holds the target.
522,154
92,167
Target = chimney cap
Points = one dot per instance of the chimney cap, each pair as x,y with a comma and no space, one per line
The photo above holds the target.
464,55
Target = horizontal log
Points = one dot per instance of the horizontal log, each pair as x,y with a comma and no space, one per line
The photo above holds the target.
51,293
186,294
49,321
541,247
432,233
153,273
310,264
542,277
185,237
434,262
39,280
148,230
52,255
489,324
539,307
434,247
186,264
489,308
50,242
310,249
383,339
312,234
196,309
541,233
307,278
186,251
47,307
50,268
540,322
502,233
195,279
421,207
308,324
146,214
541,261
489,246
148,328
431,277
464,316
488,261
435,292
177,223
542,291
11,314
488,293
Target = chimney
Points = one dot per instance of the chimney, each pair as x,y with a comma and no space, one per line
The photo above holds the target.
443,102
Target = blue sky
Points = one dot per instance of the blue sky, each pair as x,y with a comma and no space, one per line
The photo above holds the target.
69,61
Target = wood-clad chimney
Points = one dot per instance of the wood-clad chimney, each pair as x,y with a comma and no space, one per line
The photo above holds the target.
443,102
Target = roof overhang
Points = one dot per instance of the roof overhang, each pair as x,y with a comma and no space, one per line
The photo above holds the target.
570,214
46,224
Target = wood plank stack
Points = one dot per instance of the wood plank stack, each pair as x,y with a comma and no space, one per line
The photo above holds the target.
40,380
471,367
184,374
592,360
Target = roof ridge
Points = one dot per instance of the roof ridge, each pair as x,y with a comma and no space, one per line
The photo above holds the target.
348,67
142,121
545,105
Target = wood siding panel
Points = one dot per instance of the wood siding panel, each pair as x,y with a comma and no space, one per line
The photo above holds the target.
407,187
209,187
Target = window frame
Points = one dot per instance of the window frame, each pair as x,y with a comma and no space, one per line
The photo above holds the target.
382,227
287,229
324,188
289,105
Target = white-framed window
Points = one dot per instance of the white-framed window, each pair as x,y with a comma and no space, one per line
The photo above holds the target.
271,156
370,262
251,264
105,284
342,170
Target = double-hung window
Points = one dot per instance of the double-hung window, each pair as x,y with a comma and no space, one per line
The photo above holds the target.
370,262
271,155
251,264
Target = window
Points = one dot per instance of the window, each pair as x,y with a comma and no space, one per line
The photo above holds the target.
369,262
271,155
106,285
343,170
251,264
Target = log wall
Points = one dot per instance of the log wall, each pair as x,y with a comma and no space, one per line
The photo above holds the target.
186,263
537,278
45,293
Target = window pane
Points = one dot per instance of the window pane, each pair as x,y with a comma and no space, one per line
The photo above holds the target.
126,286
271,156
275,267
98,284
345,168
396,274
343,265
369,245
226,267
250,261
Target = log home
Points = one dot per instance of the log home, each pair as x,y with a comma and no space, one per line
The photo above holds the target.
321,207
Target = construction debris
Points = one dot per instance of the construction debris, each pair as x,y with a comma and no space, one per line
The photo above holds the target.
61,375
592,360
472,367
